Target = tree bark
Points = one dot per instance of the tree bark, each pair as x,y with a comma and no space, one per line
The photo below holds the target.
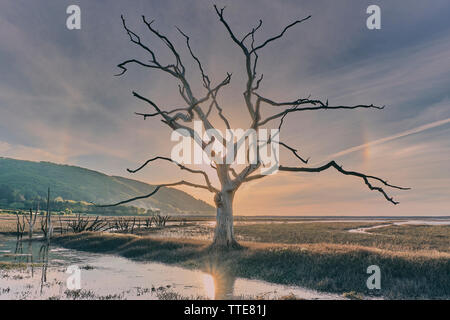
224,232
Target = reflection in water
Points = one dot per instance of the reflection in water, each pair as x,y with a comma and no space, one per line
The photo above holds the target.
43,258
20,256
224,286
208,283
18,252
114,276
30,257
219,283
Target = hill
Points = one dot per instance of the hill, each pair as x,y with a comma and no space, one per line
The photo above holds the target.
26,180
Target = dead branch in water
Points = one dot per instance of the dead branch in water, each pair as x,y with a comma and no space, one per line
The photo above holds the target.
20,226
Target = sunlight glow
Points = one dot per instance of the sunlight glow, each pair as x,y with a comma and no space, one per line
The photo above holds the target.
210,289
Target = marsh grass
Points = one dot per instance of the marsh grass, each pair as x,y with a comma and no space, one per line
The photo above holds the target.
6,266
395,237
8,224
330,267
416,237
414,259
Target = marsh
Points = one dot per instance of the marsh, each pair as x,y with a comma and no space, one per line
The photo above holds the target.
279,259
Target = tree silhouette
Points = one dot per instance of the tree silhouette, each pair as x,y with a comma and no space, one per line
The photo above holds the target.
181,118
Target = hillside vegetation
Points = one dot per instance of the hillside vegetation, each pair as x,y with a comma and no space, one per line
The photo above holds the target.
22,181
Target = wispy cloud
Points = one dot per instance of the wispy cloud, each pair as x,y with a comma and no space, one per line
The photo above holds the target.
406,133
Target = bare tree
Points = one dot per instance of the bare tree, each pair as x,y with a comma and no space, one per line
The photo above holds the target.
20,225
32,221
44,226
46,221
81,224
160,221
200,107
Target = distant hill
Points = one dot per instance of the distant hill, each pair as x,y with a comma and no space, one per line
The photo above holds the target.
27,180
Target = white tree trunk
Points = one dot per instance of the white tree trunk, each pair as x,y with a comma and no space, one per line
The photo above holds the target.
30,234
224,232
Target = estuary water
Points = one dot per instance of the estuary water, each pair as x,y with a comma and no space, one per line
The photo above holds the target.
104,276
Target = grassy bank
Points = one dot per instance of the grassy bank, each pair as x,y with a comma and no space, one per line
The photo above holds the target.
6,266
8,224
433,237
394,237
330,267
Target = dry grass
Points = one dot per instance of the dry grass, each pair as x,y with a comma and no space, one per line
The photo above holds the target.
325,248
403,238
8,224
11,265
323,266
414,260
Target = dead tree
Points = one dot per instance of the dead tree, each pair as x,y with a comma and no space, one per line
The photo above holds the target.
148,222
123,225
60,225
199,106
44,226
98,225
48,219
20,225
81,224
160,221
133,224
31,221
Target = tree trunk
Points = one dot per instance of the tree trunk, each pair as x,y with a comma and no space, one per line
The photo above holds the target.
224,232
49,218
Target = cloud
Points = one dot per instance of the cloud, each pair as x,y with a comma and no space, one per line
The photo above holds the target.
28,153
59,100
390,138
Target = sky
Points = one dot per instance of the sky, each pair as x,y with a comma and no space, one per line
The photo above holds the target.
60,100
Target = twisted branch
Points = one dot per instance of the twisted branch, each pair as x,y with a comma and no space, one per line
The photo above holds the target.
182,167
157,188
333,164
315,105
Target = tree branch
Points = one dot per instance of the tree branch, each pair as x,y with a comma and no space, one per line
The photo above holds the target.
169,44
349,173
252,33
280,35
316,105
158,187
182,167
294,151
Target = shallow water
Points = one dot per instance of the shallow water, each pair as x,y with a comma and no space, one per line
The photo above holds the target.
113,277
